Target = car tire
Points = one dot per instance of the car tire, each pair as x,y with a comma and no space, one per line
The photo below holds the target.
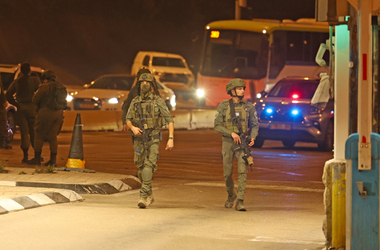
11,126
258,143
288,143
328,143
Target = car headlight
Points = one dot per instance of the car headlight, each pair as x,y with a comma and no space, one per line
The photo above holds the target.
113,100
172,101
200,93
69,98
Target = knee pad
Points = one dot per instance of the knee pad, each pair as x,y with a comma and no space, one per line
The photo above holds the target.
147,174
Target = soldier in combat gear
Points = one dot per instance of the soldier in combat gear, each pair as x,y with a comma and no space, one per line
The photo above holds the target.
146,115
231,125
20,94
50,100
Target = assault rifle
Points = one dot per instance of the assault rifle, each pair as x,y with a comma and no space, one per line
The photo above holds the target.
144,127
245,139
244,145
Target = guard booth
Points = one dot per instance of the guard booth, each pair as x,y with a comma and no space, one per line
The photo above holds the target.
362,148
362,196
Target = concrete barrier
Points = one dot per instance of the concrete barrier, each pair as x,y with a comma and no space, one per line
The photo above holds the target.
111,120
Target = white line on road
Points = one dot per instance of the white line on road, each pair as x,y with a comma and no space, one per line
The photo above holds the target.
283,172
271,187
291,241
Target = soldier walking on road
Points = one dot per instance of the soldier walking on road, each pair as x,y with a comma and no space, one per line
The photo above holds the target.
20,94
233,118
146,115
131,95
50,100
3,120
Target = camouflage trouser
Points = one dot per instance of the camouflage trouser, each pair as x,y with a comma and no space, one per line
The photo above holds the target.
25,117
146,165
3,122
47,126
228,156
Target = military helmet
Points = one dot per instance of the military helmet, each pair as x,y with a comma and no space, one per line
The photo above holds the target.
146,77
233,84
142,71
48,74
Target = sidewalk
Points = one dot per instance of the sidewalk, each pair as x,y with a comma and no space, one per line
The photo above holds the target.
21,188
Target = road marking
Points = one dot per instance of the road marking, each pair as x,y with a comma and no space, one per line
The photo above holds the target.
283,172
289,241
271,187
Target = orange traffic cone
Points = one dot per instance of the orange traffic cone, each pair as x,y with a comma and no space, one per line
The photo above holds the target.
76,159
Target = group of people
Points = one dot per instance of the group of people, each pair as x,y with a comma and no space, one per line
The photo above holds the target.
39,114
144,113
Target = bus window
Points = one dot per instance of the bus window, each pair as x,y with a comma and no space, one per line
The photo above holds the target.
234,54
294,48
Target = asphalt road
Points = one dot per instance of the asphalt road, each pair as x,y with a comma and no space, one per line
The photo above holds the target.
196,157
283,200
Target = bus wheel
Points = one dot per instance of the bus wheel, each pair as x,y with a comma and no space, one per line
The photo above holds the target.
11,126
258,143
289,143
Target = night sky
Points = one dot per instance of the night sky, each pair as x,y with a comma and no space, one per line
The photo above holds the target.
83,39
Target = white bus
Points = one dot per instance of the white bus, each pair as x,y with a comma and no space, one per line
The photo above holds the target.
260,51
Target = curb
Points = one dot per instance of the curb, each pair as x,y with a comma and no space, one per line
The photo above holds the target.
38,200
111,187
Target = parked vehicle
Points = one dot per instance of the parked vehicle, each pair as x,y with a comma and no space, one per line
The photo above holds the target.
172,71
109,92
286,114
166,66
8,73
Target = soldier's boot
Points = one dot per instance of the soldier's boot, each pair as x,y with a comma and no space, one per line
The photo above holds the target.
52,161
4,144
240,206
143,203
230,201
150,200
36,160
26,156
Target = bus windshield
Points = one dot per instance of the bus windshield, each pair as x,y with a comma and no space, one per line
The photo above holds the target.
295,48
235,54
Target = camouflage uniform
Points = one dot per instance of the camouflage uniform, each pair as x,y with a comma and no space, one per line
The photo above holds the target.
26,109
224,125
48,120
146,164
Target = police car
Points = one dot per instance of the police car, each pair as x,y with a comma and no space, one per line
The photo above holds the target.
285,114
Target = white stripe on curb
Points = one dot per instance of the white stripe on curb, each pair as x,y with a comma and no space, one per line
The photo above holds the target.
71,195
8,183
41,199
119,185
10,205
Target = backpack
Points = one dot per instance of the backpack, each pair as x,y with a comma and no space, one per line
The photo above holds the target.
57,96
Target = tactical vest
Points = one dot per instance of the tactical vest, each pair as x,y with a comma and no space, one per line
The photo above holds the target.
151,114
241,113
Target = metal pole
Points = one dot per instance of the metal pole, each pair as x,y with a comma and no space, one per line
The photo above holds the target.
365,84
353,85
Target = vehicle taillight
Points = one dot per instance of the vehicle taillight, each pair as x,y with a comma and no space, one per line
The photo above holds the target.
295,96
